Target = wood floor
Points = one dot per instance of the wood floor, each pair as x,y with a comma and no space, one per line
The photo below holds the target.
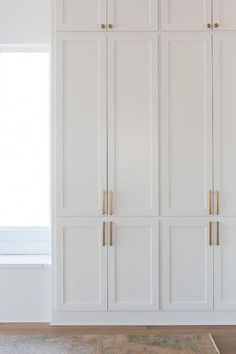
224,336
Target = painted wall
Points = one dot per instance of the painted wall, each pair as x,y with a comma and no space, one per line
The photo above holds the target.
25,21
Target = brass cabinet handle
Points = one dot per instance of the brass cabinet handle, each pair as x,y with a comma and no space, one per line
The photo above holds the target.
103,26
209,25
104,233
111,234
210,202
216,25
103,203
217,202
110,203
217,233
210,233
110,26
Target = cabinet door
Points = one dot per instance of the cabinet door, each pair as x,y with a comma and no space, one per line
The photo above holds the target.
192,15
186,103
224,120
80,121
225,265
133,260
133,124
224,13
81,265
187,265
80,15
133,15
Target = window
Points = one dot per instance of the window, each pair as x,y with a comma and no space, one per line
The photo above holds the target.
24,143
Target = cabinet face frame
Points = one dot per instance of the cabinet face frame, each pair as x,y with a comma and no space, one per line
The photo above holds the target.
128,226
167,301
61,25
219,106
224,260
63,224
112,15
113,41
59,124
166,25
225,24
169,206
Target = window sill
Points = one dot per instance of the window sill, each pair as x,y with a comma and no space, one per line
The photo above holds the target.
25,261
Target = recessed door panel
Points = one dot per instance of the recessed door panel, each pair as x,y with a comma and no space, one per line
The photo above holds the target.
186,120
224,121
191,15
133,124
224,14
133,260
187,265
81,124
81,260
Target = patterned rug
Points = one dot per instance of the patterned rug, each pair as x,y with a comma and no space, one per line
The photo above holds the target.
107,344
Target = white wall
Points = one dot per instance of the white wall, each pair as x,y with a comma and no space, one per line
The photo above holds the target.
25,21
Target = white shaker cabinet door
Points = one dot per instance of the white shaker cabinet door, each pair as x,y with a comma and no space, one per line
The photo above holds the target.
133,265
189,15
80,121
81,265
133,124
133,15
224,80
80,15
225,265
186,120
187,265
224,14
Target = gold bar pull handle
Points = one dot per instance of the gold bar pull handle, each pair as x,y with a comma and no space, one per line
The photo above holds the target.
104,233
111,233
110,203
217,203
103,203
210,234
210,202
217,233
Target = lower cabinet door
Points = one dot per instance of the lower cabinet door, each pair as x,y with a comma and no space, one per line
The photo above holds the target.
225,265
81,265
187,265
133,264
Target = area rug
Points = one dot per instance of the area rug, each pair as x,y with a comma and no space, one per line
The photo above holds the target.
107,344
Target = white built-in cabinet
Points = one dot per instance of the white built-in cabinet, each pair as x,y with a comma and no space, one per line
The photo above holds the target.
102,15
198,15
144,126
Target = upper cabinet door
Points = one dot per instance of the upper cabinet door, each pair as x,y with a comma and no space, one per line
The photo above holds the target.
133,15
133,124
186,103
186,15
225,121
80,15
80,124
224,14
133,265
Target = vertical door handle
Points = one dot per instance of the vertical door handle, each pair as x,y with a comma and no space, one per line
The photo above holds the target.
110,203
217,202
210,234
103,203
210,202
104,233
111,233
217,233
